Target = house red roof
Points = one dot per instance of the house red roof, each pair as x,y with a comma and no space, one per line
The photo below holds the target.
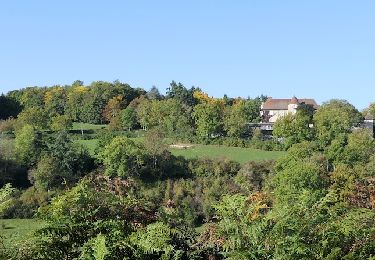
294,100
282,104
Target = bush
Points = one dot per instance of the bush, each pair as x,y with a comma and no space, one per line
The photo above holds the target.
252,176
27,202
11,172
8,125
208,167
236,142
267,145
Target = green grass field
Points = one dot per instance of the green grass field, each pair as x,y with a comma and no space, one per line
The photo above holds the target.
90,144
85,126
15,231
241,155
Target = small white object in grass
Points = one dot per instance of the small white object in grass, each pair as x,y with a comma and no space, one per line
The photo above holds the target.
181,146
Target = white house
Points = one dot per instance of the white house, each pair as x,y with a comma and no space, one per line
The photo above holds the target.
368,123
272,109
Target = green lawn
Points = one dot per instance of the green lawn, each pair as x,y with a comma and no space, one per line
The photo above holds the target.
85,126
241,155
15,231
90,144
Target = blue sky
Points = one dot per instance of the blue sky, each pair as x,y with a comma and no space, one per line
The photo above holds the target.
319,49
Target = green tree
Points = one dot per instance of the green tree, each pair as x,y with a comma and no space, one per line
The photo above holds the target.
34,116
179,92
175,118
102,92
144,114
54,101
333,118
122,157
113,108
335,151
252,108
170,115
76,100
156,239
27,145
32,97
129,118
155,144
48,174
73,158
208,119
235,120
294,128
360,147
154,93
60,122
371,110
61,164
9,107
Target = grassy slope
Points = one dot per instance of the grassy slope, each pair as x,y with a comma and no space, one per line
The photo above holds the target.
241,155
238,154
90,144
85,126
14,231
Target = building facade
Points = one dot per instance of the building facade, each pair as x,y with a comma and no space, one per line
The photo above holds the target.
273,109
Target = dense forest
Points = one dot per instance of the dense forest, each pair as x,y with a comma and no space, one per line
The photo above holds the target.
131,198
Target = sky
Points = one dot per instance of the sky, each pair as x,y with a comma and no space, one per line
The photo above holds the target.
311,49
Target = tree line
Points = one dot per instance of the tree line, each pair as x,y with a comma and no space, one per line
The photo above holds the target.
181,112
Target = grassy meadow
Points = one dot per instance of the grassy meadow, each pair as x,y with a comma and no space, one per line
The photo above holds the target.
239,154
86,126
14,231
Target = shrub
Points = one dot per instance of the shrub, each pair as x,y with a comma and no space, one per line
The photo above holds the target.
8,125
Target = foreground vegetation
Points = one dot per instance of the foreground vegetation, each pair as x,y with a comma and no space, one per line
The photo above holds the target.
130,197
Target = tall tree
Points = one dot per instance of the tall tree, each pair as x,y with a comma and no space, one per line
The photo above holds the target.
180,92
76,99
122,157
27,145
35,116
9,107
295,128
155,144
129,118
32,97
208,119
113,107
54,101
60,122
154,93
61,164
333,118
237,116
